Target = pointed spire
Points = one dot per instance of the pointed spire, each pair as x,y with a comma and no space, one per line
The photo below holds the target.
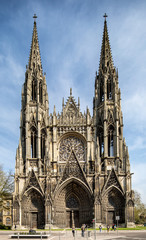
35,58
105,56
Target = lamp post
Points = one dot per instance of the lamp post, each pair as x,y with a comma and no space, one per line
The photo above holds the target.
117,218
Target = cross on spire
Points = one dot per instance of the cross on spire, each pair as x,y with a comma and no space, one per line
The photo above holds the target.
35,16
105,16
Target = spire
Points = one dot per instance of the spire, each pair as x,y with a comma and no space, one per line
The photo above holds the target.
35,58
105,56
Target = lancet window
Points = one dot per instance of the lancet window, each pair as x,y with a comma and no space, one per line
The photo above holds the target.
33,142
40,92
101,141
109,89
110,141
34,90
101,91
43,136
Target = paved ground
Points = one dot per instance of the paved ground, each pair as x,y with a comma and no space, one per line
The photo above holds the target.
67,235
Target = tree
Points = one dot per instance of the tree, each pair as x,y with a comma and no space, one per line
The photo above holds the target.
6,184
139,209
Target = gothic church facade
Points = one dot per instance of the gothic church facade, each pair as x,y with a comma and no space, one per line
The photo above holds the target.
72,167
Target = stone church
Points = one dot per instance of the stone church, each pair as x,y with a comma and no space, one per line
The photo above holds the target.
72,167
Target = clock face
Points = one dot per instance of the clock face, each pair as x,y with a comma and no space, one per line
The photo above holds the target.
71,143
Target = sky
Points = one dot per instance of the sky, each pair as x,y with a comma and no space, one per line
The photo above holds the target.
70,37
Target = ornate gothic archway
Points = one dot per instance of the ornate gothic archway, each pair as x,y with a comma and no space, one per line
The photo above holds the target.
33,211
113,205
73,205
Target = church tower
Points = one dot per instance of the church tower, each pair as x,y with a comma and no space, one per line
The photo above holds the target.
71,167
113,195
32,152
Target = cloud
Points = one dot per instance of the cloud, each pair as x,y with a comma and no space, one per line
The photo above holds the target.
134,108
70,35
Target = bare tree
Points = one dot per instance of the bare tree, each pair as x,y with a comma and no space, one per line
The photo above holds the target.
6,184
139,209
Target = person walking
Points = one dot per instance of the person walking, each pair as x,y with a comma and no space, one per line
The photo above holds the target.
108,228
73,231
83,229
115,227
100,228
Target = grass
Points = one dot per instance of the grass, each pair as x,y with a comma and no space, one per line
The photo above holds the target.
78,229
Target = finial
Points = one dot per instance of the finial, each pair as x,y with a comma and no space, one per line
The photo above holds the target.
54,112
63,102
105,16
70,91
35,16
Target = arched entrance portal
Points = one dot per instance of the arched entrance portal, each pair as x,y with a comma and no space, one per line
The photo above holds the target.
72,211
113,205
73,205
33,214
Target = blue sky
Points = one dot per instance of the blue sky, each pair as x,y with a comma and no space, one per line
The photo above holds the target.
70,35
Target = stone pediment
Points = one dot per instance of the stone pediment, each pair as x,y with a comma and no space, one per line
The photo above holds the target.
73,169
112,180
33,182
71,107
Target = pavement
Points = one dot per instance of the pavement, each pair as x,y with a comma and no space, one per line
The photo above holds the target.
67,235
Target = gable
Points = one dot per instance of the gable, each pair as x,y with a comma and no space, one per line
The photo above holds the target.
73,169
32,182
112,181
71,107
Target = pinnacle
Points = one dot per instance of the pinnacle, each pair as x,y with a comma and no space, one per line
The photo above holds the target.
35,58
105,56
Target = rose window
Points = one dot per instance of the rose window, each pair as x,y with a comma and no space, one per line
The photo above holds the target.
71,143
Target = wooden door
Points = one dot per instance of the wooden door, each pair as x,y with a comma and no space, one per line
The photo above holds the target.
76,219
111,217
68,219
34,220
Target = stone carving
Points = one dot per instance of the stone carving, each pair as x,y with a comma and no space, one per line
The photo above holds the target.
33,182
73,169
71,143
113,181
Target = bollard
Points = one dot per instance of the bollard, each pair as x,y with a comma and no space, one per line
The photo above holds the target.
41,235
59,235
18,236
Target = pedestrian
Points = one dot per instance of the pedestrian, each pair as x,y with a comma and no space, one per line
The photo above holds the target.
108,228
100,228
73,231
83,229
115,227
15,227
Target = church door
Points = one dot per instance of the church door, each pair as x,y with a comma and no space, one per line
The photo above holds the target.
111,217
34,220
72,218
76,218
